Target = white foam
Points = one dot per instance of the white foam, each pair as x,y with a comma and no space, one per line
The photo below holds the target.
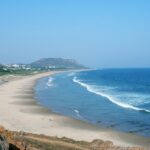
71,74
49,82
90,88
77,112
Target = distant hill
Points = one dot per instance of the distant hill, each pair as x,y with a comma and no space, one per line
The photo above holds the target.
40,65
56,63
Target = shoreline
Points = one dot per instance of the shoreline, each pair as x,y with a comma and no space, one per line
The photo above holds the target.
20,111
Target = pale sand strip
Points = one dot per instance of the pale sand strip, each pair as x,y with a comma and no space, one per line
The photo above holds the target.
20,112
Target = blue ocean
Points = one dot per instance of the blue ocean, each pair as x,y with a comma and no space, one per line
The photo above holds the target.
112,98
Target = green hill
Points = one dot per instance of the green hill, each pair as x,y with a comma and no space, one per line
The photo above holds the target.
56,63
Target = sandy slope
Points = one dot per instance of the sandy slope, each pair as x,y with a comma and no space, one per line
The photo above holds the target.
20,112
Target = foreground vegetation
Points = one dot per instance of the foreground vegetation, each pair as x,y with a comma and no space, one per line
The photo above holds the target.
28,141
16,72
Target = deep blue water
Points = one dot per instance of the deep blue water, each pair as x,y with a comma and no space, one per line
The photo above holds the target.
114,98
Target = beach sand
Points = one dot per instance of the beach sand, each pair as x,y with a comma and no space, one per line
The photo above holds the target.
19,111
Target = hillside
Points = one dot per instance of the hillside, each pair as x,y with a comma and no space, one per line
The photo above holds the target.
40,65
56,63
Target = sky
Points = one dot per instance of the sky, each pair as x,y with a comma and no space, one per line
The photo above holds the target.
97,33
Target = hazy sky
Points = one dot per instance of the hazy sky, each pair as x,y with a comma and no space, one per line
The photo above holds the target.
97,33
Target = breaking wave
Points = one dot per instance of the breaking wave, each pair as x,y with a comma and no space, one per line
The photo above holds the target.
77,112
49,82
116,101
71,74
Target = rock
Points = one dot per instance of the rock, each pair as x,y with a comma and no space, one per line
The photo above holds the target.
4,145
100,144
13,147
2,129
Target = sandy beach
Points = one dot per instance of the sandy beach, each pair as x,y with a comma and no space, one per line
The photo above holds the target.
19,111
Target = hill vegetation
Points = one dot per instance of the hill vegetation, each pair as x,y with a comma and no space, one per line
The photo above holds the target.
56,63
44,64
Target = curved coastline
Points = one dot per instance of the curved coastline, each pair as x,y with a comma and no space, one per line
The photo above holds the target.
20,112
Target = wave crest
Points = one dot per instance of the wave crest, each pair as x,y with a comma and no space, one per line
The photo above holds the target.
91,89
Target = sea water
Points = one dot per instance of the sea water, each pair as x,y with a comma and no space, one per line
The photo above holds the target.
113,98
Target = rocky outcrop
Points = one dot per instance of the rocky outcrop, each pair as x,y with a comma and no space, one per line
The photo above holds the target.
104,145
4,145
8,142
29,141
